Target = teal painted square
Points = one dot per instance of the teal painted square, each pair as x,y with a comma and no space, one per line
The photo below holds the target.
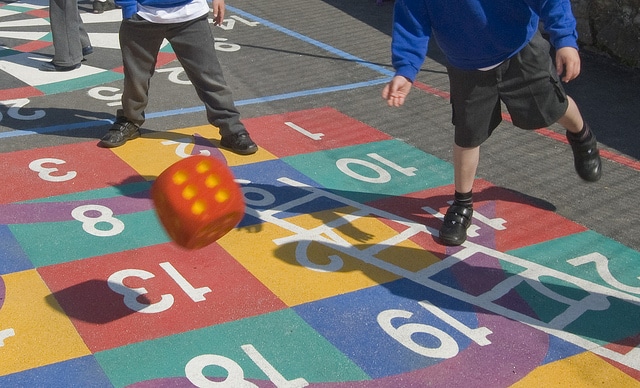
282,338
608,318
395,169
49,243
8,52
81,82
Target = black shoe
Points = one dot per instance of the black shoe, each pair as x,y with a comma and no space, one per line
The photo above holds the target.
456,222
50,66
240,143
87,50
586,157
121,131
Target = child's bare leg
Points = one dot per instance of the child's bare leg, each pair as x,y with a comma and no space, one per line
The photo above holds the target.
465,164
458,218
583,143
572,120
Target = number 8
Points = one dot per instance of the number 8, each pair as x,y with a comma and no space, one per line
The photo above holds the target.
89,223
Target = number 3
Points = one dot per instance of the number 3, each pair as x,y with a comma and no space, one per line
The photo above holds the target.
45,172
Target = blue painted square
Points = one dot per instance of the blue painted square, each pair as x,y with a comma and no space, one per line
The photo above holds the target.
350,323
79,372
265,191
12,257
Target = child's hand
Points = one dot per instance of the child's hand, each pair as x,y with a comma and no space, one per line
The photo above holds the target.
218,12
396,91
568,62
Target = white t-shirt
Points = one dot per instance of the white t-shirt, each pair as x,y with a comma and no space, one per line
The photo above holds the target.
183,13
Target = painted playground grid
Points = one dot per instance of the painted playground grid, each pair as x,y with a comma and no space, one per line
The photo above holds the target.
333,277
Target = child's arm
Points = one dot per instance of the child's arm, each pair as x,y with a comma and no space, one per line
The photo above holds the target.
567,62
396,91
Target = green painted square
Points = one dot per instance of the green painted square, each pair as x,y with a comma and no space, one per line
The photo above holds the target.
371,171
81,82
607,318
282,338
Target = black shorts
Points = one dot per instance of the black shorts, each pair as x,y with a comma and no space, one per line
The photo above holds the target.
527,84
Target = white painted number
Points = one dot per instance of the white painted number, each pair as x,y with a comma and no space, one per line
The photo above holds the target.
112,94
448,347
194,370
383,175
4,334
105,216
131,295
221,45
46,173
116,283
174,75
14,110
181,146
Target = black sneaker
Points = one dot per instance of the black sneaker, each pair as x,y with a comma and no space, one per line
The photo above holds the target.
586,157
50,66
121,131
240,143
101,6
456,222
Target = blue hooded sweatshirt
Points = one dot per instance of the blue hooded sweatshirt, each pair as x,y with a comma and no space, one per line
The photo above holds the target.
130,7
474,34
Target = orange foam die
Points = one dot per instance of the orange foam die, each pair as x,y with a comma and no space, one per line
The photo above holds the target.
197,201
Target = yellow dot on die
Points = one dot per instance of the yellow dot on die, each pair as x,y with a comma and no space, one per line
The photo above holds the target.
180,177
202,167
198,207
189,192
212,181
222,195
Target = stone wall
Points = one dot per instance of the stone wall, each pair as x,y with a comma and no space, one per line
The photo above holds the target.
611,27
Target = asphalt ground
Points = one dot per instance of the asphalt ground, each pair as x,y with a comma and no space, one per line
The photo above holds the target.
326,62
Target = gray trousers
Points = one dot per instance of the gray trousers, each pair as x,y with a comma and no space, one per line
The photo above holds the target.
193,44
67,31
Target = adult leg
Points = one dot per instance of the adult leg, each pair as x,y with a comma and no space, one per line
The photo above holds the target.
85,42
65,23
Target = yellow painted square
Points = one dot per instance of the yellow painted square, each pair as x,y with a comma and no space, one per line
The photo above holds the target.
583,370
154,152
280,267
42,333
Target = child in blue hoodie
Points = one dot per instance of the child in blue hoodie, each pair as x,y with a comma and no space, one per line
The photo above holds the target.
495,55
184,23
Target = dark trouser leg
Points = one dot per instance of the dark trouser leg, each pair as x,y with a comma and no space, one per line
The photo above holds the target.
140,42
194,45
65,27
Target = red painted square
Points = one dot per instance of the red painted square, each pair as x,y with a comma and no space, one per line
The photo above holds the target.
61,170
22,92
309,131
528,221
89,293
